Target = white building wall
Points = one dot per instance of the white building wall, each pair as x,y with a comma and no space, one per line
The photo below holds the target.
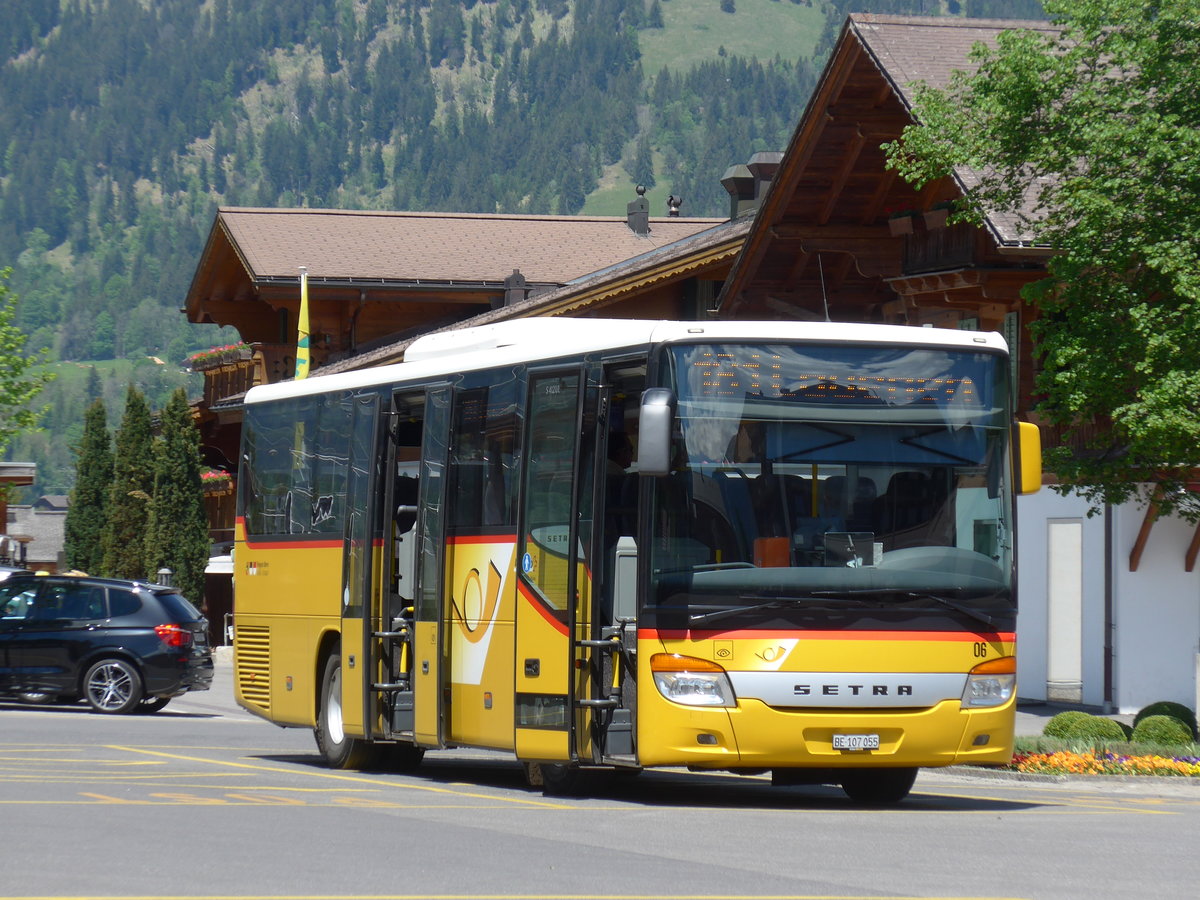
1157,613
1156,610
1060,623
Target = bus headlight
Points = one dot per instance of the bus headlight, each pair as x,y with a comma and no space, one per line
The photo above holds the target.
691,681
991,683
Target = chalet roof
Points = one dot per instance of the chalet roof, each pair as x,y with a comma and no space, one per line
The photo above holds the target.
911,50
833,191
441,247
720,242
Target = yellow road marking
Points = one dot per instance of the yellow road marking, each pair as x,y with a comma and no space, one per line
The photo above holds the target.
355,779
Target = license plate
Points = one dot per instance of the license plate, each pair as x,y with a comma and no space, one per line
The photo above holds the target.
856,742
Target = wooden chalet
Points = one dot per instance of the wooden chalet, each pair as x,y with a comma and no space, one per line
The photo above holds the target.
820,230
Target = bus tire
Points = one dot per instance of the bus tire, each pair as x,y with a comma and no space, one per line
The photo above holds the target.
878,787
340,750
404,757
562,780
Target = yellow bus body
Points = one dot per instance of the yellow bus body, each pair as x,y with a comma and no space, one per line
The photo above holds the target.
754,735
279,657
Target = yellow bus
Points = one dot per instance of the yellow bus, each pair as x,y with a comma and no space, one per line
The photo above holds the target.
618,544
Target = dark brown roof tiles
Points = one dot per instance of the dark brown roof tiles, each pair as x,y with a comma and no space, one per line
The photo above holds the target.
439,247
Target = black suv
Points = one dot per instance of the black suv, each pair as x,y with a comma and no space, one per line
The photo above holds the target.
123,646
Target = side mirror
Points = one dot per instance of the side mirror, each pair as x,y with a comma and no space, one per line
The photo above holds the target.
655,427
1027,458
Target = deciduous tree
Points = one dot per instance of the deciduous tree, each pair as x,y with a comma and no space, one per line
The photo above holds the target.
1090,133
20,380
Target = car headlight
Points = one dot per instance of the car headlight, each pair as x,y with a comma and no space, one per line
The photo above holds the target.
991,683
691,681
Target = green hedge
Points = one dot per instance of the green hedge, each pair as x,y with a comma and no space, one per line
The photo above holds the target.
1077,728
1172,709
1066,725
1165,730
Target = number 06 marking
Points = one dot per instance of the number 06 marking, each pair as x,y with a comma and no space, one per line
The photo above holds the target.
980,649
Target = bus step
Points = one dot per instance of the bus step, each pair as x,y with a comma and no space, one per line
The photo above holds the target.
391,688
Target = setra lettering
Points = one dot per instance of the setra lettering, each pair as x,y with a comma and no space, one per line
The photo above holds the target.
856,690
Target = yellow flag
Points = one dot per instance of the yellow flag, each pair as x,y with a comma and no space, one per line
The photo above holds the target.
302,355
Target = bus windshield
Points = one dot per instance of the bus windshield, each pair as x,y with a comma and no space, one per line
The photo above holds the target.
817,474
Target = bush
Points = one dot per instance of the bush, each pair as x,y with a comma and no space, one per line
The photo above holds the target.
1066,725
1100,730
1163,730
1168,708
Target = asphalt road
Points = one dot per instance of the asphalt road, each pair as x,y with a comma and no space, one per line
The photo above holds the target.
203,800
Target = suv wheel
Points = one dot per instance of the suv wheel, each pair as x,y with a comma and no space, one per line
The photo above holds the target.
113,686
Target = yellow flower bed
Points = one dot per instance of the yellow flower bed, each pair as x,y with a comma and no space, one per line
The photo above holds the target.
1065,762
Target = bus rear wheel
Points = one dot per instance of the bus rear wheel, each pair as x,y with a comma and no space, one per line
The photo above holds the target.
340,750
878,787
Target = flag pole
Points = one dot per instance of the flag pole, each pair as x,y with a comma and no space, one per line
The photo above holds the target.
302,330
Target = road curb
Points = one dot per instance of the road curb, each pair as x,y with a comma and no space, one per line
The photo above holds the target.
1168,784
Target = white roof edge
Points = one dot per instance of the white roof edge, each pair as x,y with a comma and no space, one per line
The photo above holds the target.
445,354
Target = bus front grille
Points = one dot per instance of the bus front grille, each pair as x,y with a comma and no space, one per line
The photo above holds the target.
252,652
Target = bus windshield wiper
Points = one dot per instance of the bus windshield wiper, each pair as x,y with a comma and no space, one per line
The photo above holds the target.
957,607
778,603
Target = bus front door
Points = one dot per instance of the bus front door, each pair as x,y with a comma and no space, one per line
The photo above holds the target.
553,601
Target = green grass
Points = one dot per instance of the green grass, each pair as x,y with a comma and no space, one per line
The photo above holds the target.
617,189
694,31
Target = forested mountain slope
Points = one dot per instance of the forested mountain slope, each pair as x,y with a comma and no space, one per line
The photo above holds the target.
125,123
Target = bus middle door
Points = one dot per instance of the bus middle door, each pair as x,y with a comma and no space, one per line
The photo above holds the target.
360,568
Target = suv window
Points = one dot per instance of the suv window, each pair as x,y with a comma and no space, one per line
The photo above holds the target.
123,603
178,608
17,600
81,601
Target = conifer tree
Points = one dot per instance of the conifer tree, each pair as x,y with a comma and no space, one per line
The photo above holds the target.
88,511
177,534
129,500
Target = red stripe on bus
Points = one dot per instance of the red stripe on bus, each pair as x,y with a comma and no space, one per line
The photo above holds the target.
676,634
507,538
542,608
293,545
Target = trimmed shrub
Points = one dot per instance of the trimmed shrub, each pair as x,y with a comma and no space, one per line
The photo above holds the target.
1066,725
1168,708
1100,730
1164,730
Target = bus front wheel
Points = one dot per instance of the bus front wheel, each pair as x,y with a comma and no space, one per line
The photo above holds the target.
340,751
878,787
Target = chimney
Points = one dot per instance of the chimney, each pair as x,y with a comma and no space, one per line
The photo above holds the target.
747,184
514,288
673,204
738,181
638,212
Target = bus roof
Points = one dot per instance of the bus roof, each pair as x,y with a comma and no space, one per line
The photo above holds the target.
537,339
